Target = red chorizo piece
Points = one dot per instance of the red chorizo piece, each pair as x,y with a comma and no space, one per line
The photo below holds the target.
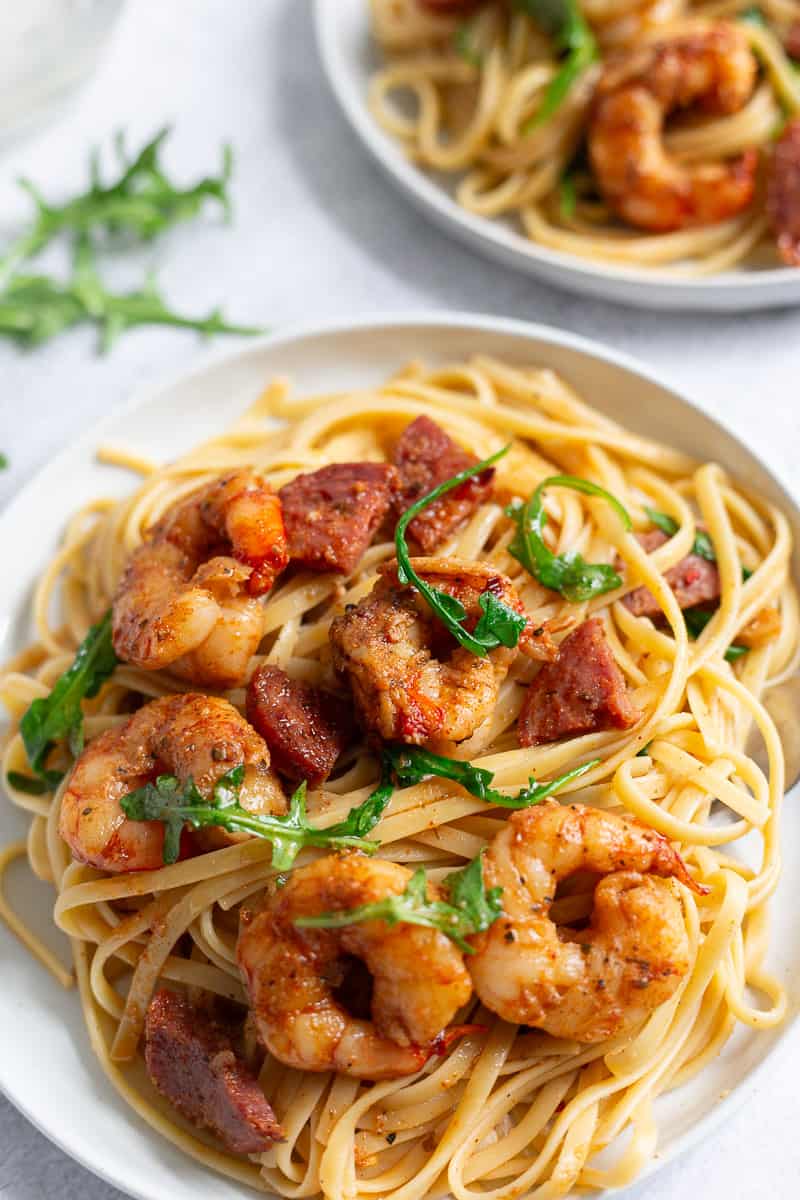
331,515
582,692
783,193
792,42
694,580
425,457
305,728
191,1061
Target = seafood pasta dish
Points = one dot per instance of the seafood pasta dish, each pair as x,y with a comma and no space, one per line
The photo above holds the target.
650,133
386,754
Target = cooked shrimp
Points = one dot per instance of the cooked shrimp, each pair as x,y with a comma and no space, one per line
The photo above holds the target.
713,68
190,736
591,983
411,681
187,599
296,977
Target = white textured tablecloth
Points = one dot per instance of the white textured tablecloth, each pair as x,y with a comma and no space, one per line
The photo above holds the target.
318,232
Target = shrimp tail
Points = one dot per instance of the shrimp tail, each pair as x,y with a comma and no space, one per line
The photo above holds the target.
448,1037
668,863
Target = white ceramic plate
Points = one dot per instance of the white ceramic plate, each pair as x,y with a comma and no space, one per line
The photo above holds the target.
46,1066
349,57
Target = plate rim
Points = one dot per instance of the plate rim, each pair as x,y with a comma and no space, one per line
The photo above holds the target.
567,270
364,324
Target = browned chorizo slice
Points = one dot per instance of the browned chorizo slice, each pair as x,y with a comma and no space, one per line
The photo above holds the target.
331,515
191,1060
792,40
425,457
783,193
305,728
694,580
582,692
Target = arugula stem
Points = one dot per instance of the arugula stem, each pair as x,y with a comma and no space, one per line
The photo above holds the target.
568,573
499,625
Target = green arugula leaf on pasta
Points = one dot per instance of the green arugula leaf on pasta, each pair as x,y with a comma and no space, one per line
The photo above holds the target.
471,907
569,574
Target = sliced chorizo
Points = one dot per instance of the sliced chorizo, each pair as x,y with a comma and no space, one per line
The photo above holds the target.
331,515
305,728
694,580
783,193
792,40
191,1060
426,456
583,691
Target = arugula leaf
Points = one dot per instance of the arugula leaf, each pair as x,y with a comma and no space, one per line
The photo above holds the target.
178,805
752,16
35,308
51,718
498,621
702,545
563,21
412,764
567,196
27,783
464,45
467,892
696,620
568,573
3,461
365,816
141,202
471,908
499,625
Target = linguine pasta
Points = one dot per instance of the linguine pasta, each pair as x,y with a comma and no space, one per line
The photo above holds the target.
506,1112
460,92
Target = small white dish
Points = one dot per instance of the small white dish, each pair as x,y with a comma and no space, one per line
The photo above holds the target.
350,58
46,1065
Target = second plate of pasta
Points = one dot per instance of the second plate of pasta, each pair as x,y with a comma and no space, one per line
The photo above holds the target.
549,152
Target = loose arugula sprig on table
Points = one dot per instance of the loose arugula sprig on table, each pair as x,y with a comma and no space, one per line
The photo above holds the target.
35,308
51,719
471,909
177,805
137,206
499,625
563,21
140,203
411,764
568,573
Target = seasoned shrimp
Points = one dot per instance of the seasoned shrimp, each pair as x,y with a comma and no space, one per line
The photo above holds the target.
410,680
187,598
713,68
297,978
190,736
591,983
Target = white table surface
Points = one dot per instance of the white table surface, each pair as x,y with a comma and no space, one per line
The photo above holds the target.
319,233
